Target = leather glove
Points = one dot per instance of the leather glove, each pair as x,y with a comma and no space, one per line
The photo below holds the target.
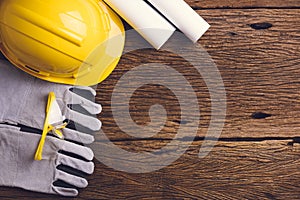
23,101
19,169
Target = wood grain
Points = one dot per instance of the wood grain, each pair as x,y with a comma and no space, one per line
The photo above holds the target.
260,70
207,4
254,158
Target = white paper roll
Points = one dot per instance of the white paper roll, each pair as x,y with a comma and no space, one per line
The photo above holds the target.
145,20
183,17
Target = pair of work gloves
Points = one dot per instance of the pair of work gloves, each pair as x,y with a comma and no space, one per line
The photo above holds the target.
38,150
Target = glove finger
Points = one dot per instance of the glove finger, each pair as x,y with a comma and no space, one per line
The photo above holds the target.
87,121
90,106
85,88
79,150
86,167
68,192
77,136
71,179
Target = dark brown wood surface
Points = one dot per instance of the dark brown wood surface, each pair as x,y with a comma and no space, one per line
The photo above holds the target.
230,4
256,47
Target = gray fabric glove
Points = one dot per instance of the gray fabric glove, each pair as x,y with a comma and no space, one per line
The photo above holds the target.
18,169
23,101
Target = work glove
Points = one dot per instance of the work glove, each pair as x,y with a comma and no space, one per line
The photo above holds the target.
23,101
19,169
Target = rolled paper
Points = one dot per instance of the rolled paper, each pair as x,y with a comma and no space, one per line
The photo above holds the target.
144,19
183,17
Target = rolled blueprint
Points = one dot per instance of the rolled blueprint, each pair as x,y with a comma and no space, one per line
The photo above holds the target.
145,20
183,17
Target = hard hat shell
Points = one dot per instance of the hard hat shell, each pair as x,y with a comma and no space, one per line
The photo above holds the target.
62,41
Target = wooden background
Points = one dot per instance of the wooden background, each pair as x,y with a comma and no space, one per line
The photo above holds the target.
256,46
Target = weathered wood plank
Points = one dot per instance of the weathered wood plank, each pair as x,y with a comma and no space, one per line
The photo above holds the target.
260,70
196,4
242,170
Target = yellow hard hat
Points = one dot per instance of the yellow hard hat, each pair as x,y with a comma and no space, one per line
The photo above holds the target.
77,42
